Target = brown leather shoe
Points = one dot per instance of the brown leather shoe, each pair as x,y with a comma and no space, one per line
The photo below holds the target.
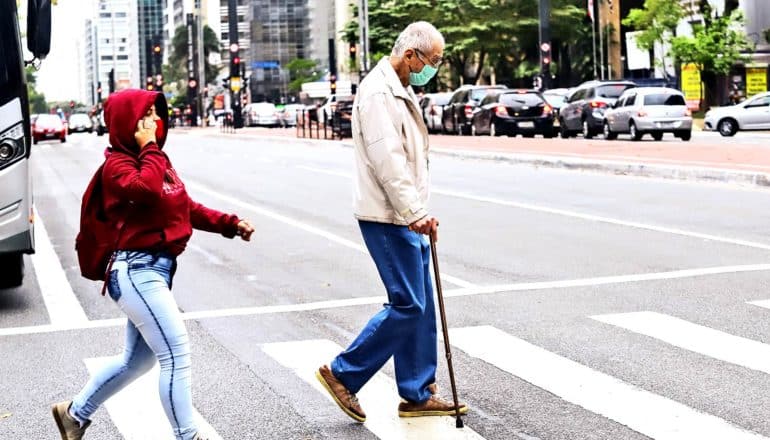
346,400
69,428
435,406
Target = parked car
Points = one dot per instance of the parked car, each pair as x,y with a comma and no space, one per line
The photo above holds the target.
80,123
432,106
260,113
331,103
653,110
556,98
288,115
523,112
99,124
584,111
456,115
49,127
751,114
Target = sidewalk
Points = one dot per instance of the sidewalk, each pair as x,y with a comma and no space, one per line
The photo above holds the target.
743,159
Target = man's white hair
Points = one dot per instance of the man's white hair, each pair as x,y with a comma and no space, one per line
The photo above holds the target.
419,35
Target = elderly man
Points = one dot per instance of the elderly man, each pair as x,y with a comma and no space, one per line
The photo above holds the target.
391,194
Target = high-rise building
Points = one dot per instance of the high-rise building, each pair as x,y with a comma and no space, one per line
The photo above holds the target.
112,45
91,58
150,33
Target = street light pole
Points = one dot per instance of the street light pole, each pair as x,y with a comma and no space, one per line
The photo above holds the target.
545,43
363,26
201,63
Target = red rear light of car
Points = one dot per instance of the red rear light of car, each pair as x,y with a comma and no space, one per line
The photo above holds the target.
468,111
547,110
501,111
433,110
598,104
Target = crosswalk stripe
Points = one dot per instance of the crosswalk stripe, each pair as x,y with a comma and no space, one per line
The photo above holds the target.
765,303
378,397
694,337
137,412
60,301
647,413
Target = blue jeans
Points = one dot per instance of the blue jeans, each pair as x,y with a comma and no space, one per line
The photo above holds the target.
140,284
406,326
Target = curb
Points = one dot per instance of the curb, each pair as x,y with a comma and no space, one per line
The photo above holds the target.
639,169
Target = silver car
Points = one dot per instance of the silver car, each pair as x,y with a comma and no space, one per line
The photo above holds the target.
432,106
649,110
751,114
260,113
288,115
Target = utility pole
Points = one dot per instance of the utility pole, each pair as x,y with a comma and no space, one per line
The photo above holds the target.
545,43
601,39
201,62
363,27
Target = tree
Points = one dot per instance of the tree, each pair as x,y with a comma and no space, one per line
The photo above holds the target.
176,69
715,46
302,71
37,103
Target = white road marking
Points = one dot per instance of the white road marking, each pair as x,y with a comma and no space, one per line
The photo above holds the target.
211,258
575,214
693,337
359,301
765,303
379,397
63,306
137,412
647,413
300,225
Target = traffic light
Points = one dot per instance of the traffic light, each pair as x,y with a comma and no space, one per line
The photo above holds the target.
111,77
244,99
156,49
149,83
353,51
333,84
159,81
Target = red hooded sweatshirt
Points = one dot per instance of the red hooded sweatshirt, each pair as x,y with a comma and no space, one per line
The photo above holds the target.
142,191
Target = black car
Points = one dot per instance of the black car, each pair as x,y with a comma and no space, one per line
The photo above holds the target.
456,116
584,110
523,112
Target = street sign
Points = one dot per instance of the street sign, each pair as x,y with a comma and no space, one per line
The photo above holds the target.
266,65
235,84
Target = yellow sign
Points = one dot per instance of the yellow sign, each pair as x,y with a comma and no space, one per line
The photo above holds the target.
756,80
691,85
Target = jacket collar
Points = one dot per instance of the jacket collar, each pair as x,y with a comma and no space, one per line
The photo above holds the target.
394,84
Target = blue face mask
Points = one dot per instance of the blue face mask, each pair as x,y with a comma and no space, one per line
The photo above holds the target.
426,74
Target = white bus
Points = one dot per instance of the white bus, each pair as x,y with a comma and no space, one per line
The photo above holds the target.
16,216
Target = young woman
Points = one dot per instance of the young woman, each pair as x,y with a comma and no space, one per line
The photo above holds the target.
146,199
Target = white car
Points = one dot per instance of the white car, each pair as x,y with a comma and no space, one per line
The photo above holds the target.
330,105
432,106
649,110
261,113
751,114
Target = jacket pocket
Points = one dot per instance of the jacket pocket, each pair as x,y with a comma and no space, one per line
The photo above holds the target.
113,286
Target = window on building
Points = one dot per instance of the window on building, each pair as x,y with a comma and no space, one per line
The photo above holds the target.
122,57
120,14
106,58
105,15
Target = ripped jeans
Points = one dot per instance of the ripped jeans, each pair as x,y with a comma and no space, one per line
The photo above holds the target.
140,284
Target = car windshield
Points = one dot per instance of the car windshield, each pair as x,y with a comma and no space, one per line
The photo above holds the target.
664,99
79,119
612,90
48,120
479,94
442,99
515,100
555,100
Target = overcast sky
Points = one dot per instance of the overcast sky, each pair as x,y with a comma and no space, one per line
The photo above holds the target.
61,76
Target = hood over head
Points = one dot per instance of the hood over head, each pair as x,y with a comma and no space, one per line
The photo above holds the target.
122,113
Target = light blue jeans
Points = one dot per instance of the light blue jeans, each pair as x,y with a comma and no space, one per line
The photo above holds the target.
140,284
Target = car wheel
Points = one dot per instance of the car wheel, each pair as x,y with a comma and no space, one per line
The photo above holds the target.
563,132
63,140
587,133
684,135
727,127
34,141
458,128
608,133
635,135
492,129
657,136
11,270
548,134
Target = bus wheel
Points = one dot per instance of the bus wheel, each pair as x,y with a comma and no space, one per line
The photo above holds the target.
11,270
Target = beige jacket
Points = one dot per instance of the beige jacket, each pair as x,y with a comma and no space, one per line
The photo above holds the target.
391,150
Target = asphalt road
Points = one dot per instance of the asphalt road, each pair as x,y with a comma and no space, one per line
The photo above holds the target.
548,272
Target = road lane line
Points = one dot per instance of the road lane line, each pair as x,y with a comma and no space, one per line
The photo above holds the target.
647,413
300,225
379,397
359,301
137,412
60,301
211,258
765,303
694,337
575,214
